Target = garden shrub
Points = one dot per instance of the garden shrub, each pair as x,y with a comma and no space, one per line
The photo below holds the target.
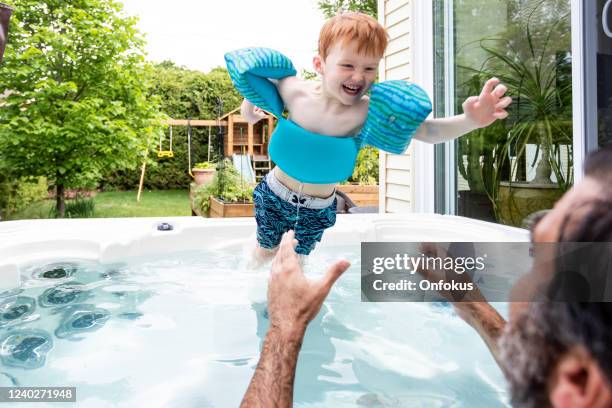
77,208
15,195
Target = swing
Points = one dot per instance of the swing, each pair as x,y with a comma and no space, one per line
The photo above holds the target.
165,153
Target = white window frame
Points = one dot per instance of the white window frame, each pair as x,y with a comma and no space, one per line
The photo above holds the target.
584,76
423,75
584,82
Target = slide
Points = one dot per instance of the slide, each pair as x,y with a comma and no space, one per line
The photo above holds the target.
242,163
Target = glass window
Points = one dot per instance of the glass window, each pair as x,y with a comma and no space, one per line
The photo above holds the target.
519,166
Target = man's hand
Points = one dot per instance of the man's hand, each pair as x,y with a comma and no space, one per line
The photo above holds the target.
471,306
294,300
251,113
489,106
433,250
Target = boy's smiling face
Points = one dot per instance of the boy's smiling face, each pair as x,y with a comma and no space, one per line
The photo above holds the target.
346,74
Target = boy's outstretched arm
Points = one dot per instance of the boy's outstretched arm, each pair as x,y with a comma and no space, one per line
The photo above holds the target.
479,111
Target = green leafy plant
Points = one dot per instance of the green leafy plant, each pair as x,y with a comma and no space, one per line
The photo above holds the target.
332,7
366,167
182,93
479,148
16,195
77,208
539,80
227,185
531,57
78,104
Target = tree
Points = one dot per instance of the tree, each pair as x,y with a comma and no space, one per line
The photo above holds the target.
76,104
332,7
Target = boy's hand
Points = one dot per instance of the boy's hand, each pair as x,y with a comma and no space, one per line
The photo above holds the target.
293,299
251,113
489,106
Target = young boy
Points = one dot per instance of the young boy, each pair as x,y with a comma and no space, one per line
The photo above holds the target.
350,48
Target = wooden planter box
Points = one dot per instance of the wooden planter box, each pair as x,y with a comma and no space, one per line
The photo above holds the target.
219,209
363,196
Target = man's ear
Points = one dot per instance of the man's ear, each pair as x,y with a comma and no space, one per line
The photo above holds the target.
318,64
577,382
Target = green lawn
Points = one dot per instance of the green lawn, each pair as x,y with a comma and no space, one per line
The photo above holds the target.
156,203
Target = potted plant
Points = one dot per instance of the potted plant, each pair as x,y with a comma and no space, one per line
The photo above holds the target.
538,77
228,195
203,172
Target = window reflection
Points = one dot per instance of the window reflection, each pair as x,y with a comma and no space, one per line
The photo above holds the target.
523,164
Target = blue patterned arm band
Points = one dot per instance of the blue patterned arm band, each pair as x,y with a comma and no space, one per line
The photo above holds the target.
397,109
251,69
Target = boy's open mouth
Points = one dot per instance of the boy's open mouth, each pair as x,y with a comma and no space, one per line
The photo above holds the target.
352,90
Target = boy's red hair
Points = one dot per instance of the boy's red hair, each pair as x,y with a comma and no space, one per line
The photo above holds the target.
370,36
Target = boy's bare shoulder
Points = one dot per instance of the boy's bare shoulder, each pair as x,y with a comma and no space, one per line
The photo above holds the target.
291,87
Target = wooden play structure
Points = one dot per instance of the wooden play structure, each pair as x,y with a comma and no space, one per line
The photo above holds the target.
241,138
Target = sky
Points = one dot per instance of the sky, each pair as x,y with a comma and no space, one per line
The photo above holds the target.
196,33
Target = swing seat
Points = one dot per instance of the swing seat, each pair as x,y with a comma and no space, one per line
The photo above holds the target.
165,153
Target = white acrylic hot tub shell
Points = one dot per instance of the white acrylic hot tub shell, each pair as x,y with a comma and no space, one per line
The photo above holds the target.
112,239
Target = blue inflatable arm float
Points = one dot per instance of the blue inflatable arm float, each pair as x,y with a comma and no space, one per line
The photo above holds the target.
397,109
251,69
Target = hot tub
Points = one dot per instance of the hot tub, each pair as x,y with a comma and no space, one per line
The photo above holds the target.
135,316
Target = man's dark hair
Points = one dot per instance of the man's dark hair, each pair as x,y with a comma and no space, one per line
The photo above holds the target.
598,164
595,223
534,344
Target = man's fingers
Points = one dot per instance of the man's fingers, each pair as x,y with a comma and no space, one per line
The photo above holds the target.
277,263
287,249
333,273
488,87
504,103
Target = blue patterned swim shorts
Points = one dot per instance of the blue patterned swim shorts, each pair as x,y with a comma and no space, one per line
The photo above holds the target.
276,212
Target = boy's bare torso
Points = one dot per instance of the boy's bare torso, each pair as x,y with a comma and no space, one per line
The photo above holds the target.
309,108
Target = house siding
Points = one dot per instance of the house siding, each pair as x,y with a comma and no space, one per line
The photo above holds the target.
396,171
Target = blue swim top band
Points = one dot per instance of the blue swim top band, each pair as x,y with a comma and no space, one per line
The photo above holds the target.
311,157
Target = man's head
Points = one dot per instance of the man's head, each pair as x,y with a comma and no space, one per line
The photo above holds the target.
5,15
583,214
558,353
350,48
